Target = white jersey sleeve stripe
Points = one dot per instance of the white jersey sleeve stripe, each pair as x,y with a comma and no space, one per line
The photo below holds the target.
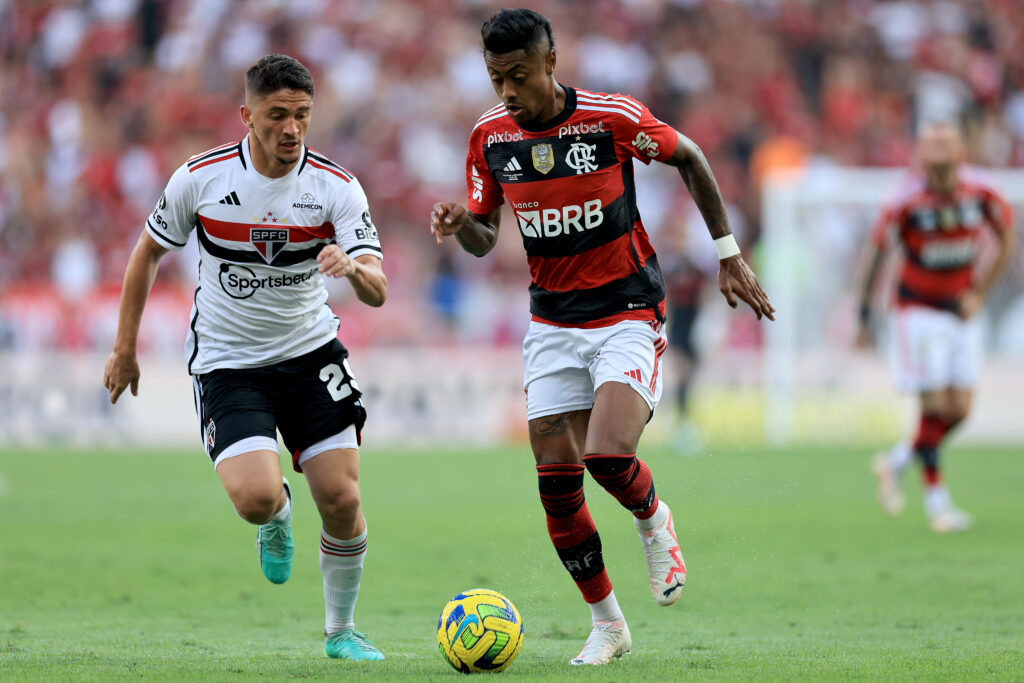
492,117
622,112
162,239
624,101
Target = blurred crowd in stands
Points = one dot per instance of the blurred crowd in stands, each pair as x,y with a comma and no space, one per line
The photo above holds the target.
102,99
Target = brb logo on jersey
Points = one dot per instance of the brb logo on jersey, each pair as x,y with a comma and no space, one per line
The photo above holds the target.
581,157
555,222
268,241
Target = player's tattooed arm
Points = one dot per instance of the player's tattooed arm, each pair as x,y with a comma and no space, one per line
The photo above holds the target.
476,233
696,173
735,278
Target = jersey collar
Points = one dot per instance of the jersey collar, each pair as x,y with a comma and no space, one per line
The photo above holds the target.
559,118
246,159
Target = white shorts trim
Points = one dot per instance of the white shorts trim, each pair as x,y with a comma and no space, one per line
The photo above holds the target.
246,445
346,438
564,366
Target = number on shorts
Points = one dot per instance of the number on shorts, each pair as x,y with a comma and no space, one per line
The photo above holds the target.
340,382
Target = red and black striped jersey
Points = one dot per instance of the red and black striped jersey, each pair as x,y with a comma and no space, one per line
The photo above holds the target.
569,183
940,235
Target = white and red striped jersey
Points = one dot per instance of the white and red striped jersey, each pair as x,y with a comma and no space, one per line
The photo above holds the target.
261,298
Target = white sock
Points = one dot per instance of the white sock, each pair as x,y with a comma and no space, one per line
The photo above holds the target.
606,610
286,509
936,499
341,563
659,518
900,456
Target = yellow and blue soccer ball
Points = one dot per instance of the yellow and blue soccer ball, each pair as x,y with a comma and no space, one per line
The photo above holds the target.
479,630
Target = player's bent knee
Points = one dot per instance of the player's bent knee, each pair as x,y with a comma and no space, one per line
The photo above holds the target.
256,507
957,415
340,505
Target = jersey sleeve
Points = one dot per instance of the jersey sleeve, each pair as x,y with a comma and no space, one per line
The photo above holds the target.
998,211
484,192
883,234
174,217
649,139
353,228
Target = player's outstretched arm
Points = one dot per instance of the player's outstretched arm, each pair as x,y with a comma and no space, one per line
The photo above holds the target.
364,273
864,336
122,367
477,234
735,278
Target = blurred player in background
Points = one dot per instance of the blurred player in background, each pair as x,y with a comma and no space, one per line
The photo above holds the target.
938,222
272,218
562,159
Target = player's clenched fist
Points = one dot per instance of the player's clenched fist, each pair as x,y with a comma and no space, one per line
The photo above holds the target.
334,262
447,218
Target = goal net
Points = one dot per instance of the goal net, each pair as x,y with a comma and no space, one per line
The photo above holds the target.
817,385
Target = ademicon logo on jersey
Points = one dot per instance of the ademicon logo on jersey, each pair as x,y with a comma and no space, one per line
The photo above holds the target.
555,222
241,282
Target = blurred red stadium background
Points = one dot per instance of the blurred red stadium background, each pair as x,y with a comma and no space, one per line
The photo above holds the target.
102,99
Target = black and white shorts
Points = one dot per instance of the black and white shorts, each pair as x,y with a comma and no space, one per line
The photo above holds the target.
312,399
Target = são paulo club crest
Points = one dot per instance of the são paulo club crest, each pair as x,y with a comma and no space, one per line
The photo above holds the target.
211,436
268,241
543,158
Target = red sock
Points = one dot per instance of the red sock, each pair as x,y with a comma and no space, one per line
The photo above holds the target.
627,478
572,528
930,433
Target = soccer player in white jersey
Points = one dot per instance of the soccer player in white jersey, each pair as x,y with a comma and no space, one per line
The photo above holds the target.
561,158
272,217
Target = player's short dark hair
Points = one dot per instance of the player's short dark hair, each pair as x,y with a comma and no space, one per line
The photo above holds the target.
517,29
275,72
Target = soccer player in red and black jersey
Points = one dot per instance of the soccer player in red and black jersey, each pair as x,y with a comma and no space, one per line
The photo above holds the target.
561,158
938,221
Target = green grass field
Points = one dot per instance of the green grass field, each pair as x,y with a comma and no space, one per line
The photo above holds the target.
127,565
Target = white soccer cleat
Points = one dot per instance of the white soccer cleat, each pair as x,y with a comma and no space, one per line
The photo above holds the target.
609,640
666,569
950,520
889,494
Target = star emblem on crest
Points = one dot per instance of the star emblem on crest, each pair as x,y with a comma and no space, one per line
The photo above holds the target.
269,218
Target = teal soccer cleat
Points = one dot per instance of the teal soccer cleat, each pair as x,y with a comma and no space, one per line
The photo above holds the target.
352,645
275,545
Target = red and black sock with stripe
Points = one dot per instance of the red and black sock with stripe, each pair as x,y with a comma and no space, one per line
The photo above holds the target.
572,528
627,478
930,434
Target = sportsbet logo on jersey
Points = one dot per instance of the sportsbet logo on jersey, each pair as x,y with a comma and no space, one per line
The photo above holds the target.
241,282
555,222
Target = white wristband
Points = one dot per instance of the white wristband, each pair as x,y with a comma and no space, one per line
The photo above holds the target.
726,246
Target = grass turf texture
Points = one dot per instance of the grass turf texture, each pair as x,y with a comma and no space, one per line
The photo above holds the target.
133,565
